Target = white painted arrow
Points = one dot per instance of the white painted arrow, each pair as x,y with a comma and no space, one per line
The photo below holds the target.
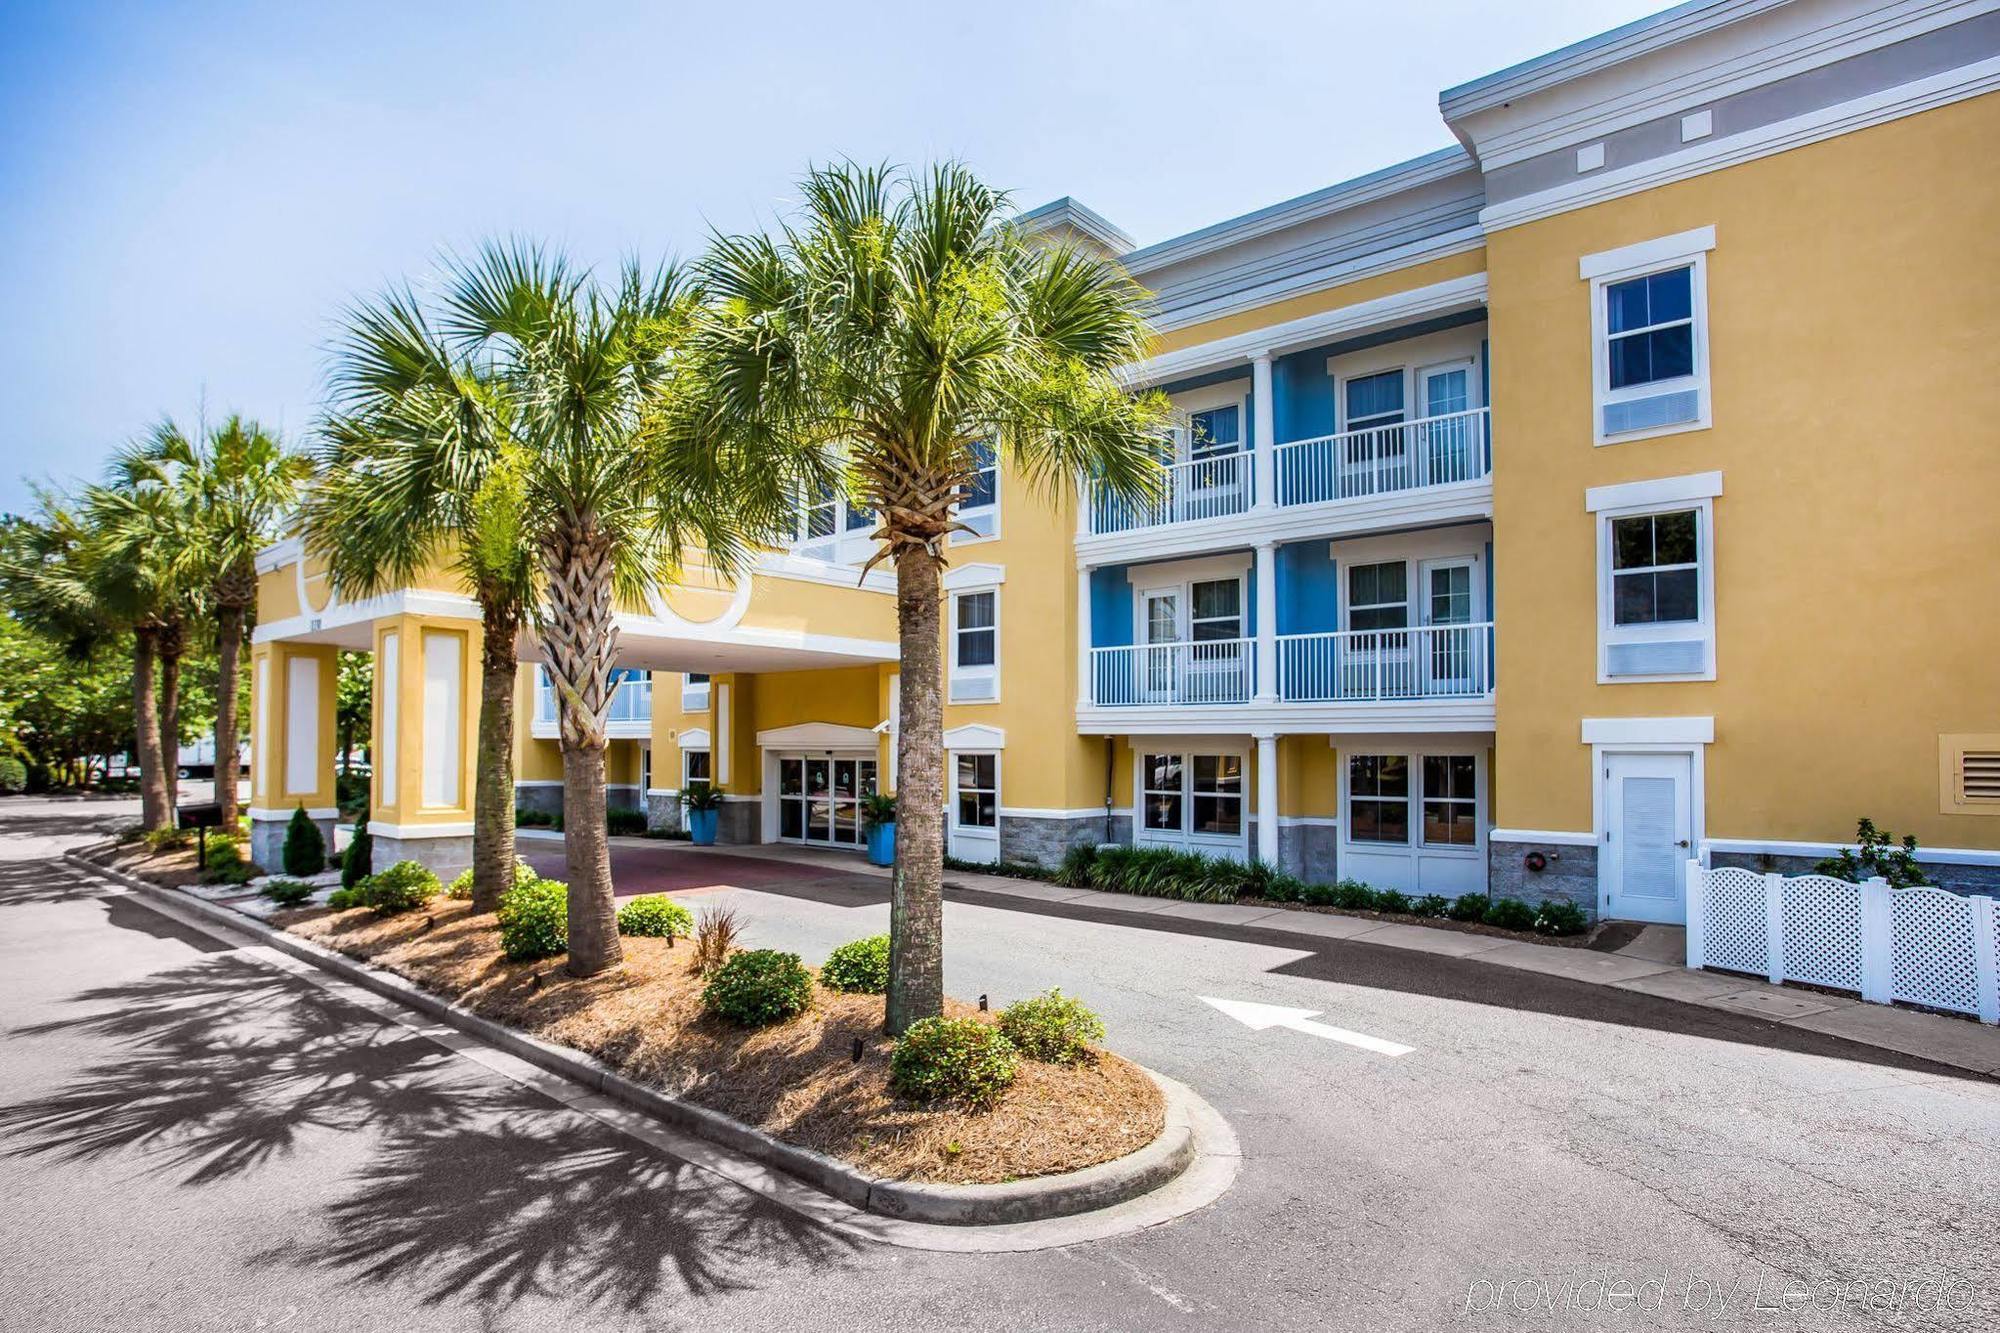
1257,1017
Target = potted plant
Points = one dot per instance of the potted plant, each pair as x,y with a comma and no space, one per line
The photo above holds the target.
878,820
702,801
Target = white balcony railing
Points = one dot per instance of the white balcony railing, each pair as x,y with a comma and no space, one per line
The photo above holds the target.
1360,666
631,701
1408,456
1213,487
1212,671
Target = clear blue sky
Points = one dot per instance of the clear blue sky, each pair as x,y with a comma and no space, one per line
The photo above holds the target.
189,193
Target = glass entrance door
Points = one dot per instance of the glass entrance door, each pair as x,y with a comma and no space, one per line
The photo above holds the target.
819,799
1451,656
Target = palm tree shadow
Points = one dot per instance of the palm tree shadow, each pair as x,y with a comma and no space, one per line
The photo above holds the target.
475,1185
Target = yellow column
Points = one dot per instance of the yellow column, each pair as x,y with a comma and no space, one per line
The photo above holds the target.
292,688
426,737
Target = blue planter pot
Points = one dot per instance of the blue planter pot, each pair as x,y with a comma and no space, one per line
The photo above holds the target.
882,845
702,826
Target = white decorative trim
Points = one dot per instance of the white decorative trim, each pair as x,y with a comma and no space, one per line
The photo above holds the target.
818,736
663,791
694,738
1310,330
403,602
1308,821
1708,155
410,832
621,786
731,616
1249,294
1039,812
1658,491
265,814
1969,856
1335,721
1647,254
973,577
1648,730
805,569
279,554
1549,836
538,782
975,736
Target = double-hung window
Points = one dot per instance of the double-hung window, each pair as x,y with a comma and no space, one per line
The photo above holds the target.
978,784
1216,431
1378,596
695,766
1451,801
1656,578
1378,798
1191,796
1162,803
1649,321
694,692
975,646
1218,795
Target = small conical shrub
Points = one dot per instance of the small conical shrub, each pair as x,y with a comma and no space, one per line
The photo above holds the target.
305,849
356,861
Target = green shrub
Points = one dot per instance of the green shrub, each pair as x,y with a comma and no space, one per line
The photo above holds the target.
305,846
1510,914
1432,904
1352,895
1075,870
340,900
625,823
223,852
358,861
1877,854
859,965
1318,895
166,839
403,886
1055,1028
877,809
525,818
1391,900
1559,917
288,892
13,776
655,914
1468,907
1163,872
461,885
759,986
533,920
953,1059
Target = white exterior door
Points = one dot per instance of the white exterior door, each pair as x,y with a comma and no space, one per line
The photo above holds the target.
1648,836
1162,628
1449,655
975,807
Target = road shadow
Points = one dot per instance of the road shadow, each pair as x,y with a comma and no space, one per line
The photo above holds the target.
472,1184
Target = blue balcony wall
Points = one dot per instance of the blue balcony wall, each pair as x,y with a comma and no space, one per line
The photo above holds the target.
1110,607
1301,396
1308,589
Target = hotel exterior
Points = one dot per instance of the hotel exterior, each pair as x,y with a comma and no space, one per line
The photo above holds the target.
1618,485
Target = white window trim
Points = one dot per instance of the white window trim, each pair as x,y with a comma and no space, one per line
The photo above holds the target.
694,750
958,673
1344,573
1185,835
952,756
1235,393
974,539
1185,576
1415,754
1701,630
1688,249
694,698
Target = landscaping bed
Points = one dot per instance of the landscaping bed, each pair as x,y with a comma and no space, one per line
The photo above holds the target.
796,1079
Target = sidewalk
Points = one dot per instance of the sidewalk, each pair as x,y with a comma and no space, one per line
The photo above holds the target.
1651,964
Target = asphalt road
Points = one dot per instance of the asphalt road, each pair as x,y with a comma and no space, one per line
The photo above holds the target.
190,1140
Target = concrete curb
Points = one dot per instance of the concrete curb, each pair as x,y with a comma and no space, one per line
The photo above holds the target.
1041,1200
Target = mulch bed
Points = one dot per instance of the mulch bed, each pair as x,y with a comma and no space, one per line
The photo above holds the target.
796,1079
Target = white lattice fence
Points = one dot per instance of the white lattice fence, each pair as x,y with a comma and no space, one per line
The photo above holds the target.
1923,946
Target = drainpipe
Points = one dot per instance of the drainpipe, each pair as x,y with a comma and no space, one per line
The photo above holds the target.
1110,766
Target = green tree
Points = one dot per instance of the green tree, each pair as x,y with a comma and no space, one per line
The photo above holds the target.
895,324
519,421
62,713
227,489
421,464
353,704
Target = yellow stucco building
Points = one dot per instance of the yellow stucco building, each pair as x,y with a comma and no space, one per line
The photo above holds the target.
1615,486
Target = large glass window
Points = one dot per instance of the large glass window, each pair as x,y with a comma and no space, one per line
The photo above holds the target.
1218,795
1649,326
978,791
1161,800
1378,798
1655,570
1378,596
1451,808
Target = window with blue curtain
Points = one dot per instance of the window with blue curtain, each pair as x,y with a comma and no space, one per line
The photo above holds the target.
1219,430
1374,400
985,475
1649,323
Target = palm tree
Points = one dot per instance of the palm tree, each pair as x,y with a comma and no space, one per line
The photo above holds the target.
231,487
891,327
420,462
567,382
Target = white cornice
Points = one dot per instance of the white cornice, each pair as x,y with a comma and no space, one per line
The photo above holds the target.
402,602
1328,326
804,569
1649,731
975,737
1388,181
1653,491
279,554
1402,718
817,736
974,576
1254,291
1073,213
1714,154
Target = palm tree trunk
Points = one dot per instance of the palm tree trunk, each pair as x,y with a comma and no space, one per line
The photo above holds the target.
493,797
229,644
146,732
170,714
581,641
916,902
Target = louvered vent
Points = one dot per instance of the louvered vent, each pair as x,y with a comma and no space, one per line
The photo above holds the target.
1979,775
